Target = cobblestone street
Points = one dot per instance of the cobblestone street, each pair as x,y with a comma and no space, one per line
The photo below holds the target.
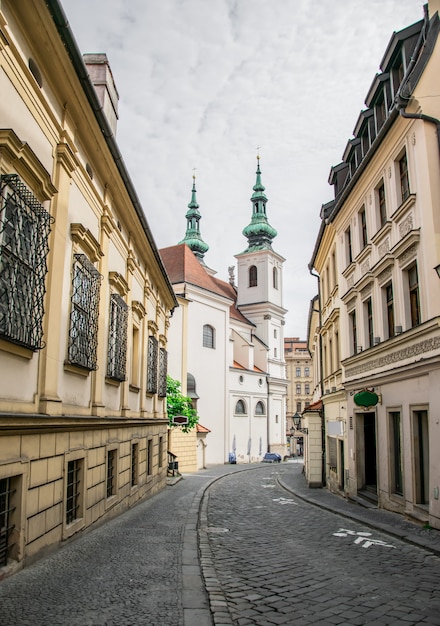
231,545
279,560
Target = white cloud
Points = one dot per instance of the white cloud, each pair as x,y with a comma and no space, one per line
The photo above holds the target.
204,82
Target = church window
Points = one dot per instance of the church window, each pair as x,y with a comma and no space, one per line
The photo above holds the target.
208,336
275,278
253,276
260,408
240,408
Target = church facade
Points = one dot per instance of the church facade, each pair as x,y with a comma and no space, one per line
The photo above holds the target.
228,339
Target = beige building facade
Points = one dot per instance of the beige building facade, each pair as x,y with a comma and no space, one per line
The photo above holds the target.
299,373
382,300
84,298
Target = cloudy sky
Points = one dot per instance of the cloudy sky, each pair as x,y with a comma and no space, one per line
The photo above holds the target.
202,83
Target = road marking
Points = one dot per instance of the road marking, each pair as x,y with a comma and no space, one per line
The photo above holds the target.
268,486
284,500
364,539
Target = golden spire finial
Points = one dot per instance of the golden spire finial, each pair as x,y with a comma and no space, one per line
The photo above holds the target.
194,173
258,152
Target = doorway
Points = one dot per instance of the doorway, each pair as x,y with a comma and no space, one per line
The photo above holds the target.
421,456
366,452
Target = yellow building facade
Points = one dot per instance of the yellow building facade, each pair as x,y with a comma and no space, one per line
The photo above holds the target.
377,256
84,298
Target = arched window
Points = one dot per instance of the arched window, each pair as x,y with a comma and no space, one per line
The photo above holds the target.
275,278
208,336
253,277
260,408
240,408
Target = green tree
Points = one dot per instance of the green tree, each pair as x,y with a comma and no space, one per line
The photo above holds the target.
178,404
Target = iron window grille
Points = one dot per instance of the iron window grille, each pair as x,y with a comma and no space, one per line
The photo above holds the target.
111,473
83,333
24,246
72,492
117,339
6,527
163,366
152,365
134,463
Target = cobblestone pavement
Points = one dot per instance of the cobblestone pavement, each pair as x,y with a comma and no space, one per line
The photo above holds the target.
235,545
142,568
270,558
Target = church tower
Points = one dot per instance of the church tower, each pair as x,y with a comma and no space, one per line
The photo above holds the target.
260,299
193,238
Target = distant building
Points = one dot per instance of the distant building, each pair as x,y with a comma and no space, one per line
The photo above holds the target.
378,258
84,298
228,339
299,372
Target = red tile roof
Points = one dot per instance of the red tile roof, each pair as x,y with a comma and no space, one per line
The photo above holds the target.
183,266
202,429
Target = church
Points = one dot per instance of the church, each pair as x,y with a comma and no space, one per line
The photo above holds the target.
226,340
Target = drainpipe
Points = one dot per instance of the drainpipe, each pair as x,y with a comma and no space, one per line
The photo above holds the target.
321,376
425,118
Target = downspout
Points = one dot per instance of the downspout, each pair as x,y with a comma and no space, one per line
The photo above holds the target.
321,376
424,118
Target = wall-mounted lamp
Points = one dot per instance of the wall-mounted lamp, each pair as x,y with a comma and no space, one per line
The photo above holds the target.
297,424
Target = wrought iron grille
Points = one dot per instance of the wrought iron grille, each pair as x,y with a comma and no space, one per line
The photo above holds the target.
24,234
117,338
72,495
83,333
111,472
152,365
134,463
6,527
163,366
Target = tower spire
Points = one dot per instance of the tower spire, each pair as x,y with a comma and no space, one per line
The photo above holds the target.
259,232
193,238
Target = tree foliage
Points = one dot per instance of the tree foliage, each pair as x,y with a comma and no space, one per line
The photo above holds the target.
178,404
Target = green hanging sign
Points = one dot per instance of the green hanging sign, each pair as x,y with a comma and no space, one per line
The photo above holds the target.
366,398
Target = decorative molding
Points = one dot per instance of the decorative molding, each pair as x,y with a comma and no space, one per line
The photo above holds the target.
410,253
84,238
428,345
406,225
119,283
162,340
365,267
138,308
350,282
267,316
384,248
108,224
66,157
365,291
152,327
20,159
387,272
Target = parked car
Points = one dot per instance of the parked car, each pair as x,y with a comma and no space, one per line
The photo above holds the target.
271,457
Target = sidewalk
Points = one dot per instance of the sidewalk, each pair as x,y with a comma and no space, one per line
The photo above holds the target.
391,523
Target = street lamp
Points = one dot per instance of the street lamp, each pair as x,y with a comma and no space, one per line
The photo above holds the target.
297,424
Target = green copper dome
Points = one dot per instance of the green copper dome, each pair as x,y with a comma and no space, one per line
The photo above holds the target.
259,232
193,238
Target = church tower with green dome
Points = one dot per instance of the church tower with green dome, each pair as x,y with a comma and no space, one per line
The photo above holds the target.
260,299
193,238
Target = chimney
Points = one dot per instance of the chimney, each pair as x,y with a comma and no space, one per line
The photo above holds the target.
102,78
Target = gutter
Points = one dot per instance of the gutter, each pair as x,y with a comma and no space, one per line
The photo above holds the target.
71,47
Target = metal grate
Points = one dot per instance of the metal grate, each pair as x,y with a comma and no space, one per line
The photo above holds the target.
72,495
111,472
152,365
6,527
83,333
117,339
163,366
24,233
134,463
